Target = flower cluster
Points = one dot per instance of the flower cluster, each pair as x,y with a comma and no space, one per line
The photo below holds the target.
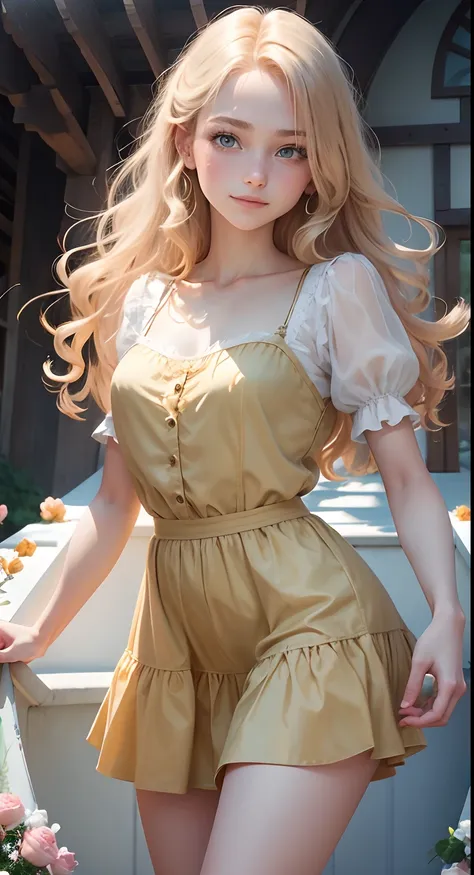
462,512
10,559
53,510
27,844
456,850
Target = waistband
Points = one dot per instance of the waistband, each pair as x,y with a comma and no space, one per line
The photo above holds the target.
231,523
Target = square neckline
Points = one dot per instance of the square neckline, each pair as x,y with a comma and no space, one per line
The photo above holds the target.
231,342
272,339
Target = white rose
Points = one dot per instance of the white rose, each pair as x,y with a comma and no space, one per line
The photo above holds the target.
35,819
466,826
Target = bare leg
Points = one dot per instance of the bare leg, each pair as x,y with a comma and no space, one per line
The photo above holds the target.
284,820
177,828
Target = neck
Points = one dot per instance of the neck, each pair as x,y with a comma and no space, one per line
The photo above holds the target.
236,254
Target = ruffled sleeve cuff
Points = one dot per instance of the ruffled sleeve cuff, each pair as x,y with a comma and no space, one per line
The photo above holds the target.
386,408
104,430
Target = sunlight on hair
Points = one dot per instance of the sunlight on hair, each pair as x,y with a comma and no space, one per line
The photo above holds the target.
156,218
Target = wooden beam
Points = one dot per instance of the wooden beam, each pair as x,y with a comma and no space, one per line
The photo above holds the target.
4,253
33,30
458,133
7,190
326,16
82,20
199,12
442,176
37,112
143,18
5,225
16,75
7,157
454,218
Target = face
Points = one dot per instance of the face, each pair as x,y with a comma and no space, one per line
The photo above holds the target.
245,147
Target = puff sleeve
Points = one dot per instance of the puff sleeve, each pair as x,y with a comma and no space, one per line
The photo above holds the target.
136,309
372,363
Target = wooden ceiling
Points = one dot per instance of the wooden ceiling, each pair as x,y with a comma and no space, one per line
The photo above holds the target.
53,51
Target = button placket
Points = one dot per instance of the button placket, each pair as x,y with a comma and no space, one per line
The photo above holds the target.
172,422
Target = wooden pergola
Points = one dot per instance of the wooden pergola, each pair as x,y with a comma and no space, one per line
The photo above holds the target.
52,51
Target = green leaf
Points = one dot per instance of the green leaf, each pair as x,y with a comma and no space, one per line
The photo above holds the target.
441,846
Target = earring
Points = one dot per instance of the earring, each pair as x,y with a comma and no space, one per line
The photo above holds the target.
188,186
308,213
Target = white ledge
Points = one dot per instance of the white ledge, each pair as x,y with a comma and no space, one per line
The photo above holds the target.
462,537
68,688
357,509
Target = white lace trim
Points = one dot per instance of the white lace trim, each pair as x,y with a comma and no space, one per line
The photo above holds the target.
104,430
387,408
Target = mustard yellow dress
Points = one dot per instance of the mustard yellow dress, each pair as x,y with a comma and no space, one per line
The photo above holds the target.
259,635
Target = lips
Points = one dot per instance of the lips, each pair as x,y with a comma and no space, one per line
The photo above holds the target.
250,200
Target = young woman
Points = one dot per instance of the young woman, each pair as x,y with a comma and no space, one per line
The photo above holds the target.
252,322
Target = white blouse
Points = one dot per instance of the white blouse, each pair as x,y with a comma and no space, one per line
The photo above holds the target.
343,329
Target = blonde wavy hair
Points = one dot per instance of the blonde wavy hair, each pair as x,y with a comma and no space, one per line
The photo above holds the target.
157,219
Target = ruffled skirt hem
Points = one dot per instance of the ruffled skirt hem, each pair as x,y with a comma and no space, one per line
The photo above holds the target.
171,731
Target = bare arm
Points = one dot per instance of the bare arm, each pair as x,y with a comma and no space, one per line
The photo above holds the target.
426,537
419,514
97,542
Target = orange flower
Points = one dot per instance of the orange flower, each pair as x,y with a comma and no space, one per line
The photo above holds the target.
15,566
463,512
25,547
4,564
52,510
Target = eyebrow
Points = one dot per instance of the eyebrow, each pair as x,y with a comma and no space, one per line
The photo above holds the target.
246,126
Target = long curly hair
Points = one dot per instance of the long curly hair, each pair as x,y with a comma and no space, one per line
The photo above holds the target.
156,218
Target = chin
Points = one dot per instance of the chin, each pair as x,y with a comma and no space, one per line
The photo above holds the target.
250,223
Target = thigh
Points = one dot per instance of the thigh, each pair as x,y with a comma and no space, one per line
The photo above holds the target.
177,828
278,820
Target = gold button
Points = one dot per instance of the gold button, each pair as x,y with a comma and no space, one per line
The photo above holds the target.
172,460
178,387
180,499
170,421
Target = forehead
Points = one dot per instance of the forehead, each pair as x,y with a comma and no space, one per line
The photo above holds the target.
261,98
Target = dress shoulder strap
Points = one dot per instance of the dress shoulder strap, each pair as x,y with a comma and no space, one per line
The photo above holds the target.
281,330
164,297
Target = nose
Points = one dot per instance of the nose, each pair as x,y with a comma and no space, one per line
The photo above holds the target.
257,176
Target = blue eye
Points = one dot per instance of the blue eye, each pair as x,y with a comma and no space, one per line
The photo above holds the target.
302,153
223,136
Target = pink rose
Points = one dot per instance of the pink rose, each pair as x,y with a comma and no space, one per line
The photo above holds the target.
12,810
39,846
65,863
3,512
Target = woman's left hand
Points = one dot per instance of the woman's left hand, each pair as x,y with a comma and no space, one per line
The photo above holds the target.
438,651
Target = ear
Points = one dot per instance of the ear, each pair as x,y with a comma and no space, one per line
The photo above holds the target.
310,188
183,142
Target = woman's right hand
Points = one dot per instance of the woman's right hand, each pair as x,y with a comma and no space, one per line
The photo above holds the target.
19,643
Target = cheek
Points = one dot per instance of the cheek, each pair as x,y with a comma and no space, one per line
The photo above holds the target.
211,166
293,180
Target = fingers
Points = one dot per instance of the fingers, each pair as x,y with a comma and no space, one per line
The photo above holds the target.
415,683
443,706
